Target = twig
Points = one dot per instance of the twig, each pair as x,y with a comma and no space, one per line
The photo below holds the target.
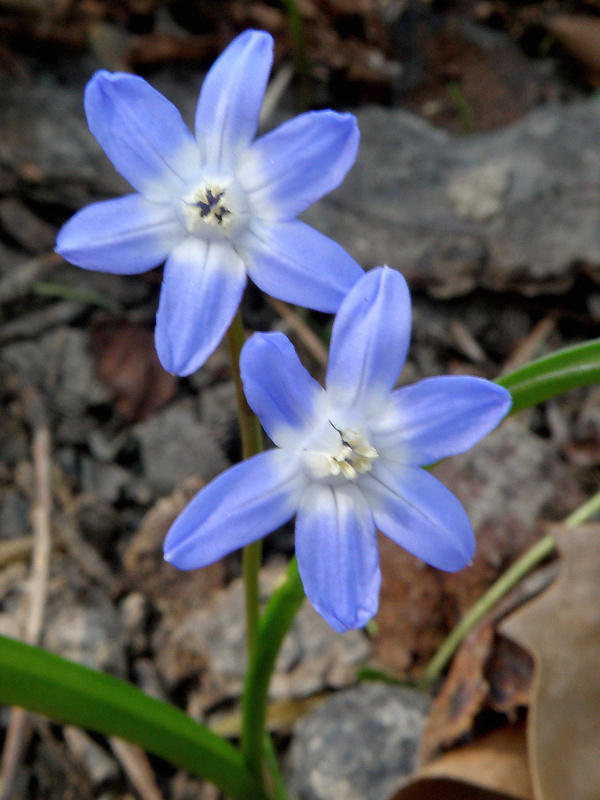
18,281
86,556
31,325
528,348
274,93
137,766
15,549
308,337
42,545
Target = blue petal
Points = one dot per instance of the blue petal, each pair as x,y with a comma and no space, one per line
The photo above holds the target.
231,98
243,504
439,417
142,133
126,236
415,510
337,555
279,389
296,263
290,168
202,289
369,341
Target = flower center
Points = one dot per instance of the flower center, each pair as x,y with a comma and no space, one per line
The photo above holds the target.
213,209
352,457
210,203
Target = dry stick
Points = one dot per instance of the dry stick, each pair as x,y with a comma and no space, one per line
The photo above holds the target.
531,344
38,583
15,550
137,766
17,282
307,336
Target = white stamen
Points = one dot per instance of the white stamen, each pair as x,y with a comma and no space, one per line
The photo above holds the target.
352,458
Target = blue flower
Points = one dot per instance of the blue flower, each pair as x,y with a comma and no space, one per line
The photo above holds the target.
348,458
217,207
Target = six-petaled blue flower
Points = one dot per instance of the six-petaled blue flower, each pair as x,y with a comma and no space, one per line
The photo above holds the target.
348,458
217,207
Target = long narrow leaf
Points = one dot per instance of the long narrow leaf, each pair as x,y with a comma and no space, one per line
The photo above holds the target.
275,622
40,681
553,375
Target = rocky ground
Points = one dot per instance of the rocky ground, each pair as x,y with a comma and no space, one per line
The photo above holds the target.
498,233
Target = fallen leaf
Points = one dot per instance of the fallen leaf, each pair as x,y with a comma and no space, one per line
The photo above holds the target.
419,605
561,628
172,591
127,363
462,695
488,672
492,768
509,673
579,34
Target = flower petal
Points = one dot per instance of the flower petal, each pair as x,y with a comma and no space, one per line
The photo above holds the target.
288,169
246,502
279,389
142,133
127,235
369,341
296,263
202,289
337,555
231,98
439,417
417,511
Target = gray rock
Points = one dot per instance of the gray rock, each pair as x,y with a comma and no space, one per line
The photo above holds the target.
61,359
90,635
312,659
99,765
174,446
514,209
358,745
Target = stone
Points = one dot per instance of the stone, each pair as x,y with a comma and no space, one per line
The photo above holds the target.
516,209
313,657
175,446
88,634
99,765
357,745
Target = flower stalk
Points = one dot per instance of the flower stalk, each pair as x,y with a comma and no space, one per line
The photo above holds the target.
252,443
261,760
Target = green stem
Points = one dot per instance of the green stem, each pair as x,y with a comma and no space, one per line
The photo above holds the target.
537,553
260,759
299,44
252,443
275,622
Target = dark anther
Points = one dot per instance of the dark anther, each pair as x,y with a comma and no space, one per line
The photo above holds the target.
210,206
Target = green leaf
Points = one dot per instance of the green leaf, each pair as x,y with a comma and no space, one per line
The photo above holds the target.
40,681
553,375
275,622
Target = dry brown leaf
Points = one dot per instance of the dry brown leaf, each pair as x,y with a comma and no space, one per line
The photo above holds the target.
419,605
488,671
562,630
509,673
127,363
579,34
462,696
492,768
172,591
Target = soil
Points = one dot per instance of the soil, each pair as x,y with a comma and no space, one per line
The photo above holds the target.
127,444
